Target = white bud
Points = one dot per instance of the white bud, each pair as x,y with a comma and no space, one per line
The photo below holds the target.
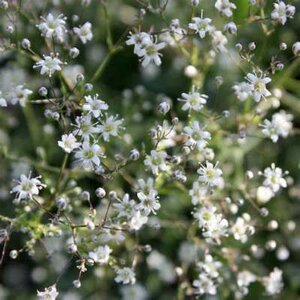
73,52
190,71
13,254
164,107
296,48
100,192
26,44
231,28
134,154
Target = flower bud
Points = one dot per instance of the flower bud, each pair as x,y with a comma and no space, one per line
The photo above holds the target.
13,254
61,203
283,46
79,78
134,154
73,52
43,91
252,46
231,28
164,107
100,192
88,87
296,48
26,44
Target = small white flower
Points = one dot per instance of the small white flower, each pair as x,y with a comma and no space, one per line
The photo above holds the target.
198,193
88,155
149,52
149,203
241,229
244,278
219,41
3,102
282,11
137,40
156,161
200,25
205,285
49,65
210,174
125,276
296,48
197,136
110,127
19,95
94,106
68,143
53,27
101,254
125,207
210,266
193,101
85,127
225,7
242,90
258,86
49,293
280,125
27,187
273,283
137,221
84,32
274,178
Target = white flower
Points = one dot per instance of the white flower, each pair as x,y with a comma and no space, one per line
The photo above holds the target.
273,283
94,106
101,254
282,11
244,278
134,292
205,285
125,207
27,187
49,293
149,203
296,48
225,7
147,187
53,27
110,127
210,266
138,40
149,52
193,101
112,235
198,193
156,161
197,136
125,276
88,155
215,229
219,41
258,86
137,221
85,127
210,174
241,228
68,143
3,102
274,178
242,90
204,215
280,125
84,32
200,25
19,95
49,65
